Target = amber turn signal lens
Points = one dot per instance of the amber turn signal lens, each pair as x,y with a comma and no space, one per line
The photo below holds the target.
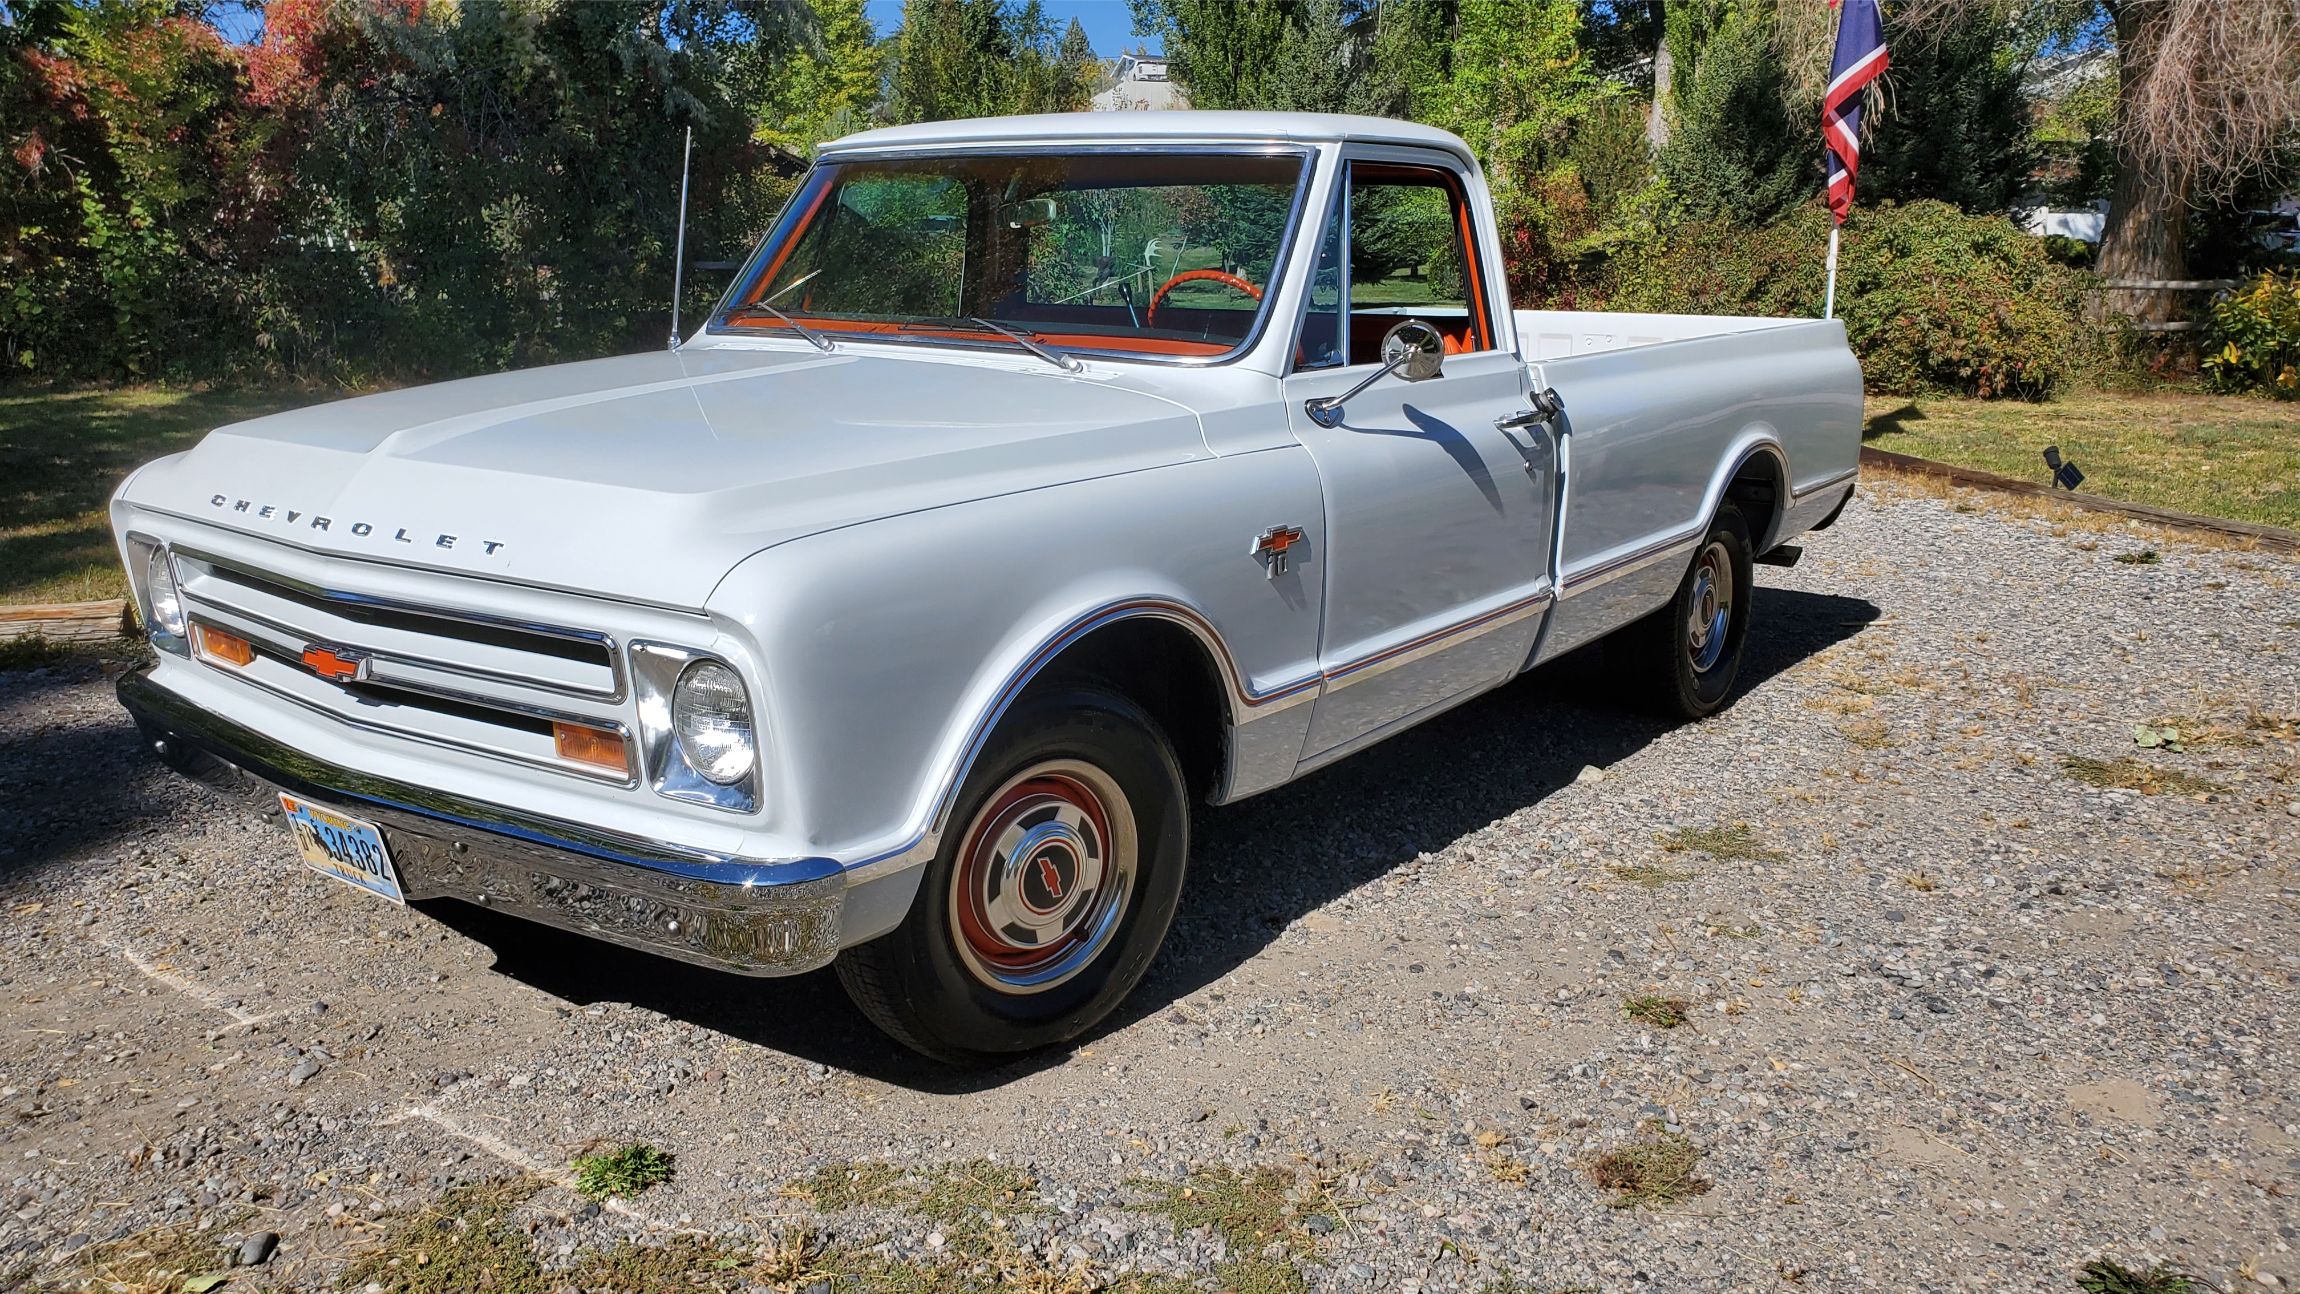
594,746
229,649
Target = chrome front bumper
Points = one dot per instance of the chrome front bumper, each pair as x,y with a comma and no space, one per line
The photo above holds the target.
776,917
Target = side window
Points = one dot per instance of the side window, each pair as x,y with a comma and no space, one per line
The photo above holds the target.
1320,344
1411,255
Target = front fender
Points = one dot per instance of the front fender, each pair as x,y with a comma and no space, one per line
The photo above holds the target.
889,650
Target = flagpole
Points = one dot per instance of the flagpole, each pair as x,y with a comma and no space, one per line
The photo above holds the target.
1829,301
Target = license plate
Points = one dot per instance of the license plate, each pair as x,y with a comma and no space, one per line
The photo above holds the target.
343,847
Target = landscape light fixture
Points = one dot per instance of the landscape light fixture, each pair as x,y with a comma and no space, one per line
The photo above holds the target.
2064,474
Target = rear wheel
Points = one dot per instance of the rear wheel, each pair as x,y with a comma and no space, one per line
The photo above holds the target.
1050,894
1691,648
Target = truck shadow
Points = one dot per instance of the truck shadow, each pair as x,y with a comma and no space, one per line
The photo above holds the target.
72,789
1257,868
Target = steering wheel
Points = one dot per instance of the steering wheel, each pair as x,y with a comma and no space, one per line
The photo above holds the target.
1150,316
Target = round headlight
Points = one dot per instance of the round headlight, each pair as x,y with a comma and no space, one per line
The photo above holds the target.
160,584
711,715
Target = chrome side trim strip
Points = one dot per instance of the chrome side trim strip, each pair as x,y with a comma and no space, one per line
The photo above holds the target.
1825,483
1437,640
1631,563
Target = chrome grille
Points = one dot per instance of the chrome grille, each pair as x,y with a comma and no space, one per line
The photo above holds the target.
451,676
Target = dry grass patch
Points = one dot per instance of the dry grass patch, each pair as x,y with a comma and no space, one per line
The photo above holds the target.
834,1188
2255,728
1647,875
158,1260
1868,732
2129,774
1734,842
1251,1211
2107,1276
1653,1009
1649,1172
1508,1169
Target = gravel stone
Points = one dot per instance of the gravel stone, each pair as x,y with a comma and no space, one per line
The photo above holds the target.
1960,1020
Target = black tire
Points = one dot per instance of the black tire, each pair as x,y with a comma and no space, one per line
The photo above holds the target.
1076,778
1691,660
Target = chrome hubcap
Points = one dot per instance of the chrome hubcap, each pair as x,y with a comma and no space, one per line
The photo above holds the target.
1712,608
1044,878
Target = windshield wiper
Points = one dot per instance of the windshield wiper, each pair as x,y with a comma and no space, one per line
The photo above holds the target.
815,339
1067,363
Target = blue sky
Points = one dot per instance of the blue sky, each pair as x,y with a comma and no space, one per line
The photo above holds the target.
1109,23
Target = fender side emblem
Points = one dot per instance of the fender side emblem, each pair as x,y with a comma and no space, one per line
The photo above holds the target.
1273,545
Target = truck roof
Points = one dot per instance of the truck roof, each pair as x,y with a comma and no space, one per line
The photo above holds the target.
1181,126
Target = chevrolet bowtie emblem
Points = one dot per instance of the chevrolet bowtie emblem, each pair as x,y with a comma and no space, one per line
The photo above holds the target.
1273,545
341,664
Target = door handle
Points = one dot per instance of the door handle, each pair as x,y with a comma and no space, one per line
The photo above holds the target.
1547,404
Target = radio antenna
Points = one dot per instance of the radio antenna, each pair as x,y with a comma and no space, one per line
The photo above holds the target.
679,251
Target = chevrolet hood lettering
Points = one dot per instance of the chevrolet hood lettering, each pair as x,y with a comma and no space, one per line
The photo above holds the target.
649,476
290,517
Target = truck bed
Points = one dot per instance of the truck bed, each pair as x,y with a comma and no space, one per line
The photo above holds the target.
1556,334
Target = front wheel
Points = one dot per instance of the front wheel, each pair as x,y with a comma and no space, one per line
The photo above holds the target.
1050,894
1691,648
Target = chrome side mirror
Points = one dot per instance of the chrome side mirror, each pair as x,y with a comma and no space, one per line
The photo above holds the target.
1413,350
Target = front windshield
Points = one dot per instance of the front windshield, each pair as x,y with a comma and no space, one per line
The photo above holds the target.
1157,254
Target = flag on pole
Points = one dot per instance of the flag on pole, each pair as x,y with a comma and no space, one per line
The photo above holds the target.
1860,58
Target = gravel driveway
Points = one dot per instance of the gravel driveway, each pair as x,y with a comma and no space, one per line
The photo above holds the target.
1976,989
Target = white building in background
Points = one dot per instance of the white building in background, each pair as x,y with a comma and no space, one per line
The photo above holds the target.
1141,86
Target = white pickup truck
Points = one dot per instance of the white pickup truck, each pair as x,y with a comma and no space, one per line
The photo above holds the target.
1038,479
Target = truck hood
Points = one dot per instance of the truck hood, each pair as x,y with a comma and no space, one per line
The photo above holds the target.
648,477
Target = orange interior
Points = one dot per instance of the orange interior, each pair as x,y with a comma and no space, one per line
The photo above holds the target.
1463,334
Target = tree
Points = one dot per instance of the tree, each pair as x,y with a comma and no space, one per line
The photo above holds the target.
803,91
128,218
985,58
1956,124
509,175
1221,52
1513,82
1737,149
2208,96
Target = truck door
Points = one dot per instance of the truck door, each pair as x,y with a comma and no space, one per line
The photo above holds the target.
1437,522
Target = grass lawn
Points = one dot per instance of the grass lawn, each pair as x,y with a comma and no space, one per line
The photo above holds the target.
2220,456
61,455
63,452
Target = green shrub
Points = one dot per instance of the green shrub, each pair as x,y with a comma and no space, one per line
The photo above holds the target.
2252,342
625,1171
1933,300
2072,252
